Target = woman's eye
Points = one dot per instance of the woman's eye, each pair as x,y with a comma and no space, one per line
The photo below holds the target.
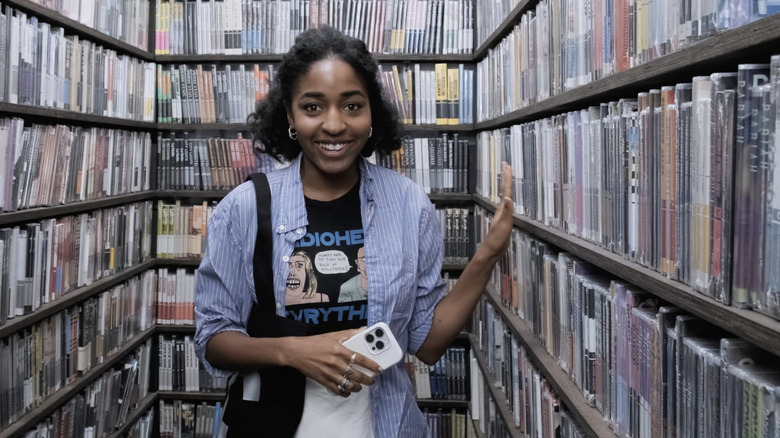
311,107
352,107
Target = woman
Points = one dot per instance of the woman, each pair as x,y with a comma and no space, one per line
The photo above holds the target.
325,113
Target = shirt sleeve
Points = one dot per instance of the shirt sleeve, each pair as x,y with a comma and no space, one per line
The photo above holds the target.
431,287
223,298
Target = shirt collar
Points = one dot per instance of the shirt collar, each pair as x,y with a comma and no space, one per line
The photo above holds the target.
293,206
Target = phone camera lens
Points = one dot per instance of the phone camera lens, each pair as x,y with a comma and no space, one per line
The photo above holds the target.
380,345
379,333
369,338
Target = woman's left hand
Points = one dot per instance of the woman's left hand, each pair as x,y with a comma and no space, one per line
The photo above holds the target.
496,241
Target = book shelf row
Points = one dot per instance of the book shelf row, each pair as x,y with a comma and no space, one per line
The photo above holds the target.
45,357
497,419
162,308
51,404
752,326
52,165
46,68
549,52
237,27
440,93
89,405
48,165
127,21
665,179
184,196
197,414
46,11
611,338
749,325
722,51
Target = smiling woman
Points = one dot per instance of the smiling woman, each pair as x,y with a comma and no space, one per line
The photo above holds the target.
353,244
331,114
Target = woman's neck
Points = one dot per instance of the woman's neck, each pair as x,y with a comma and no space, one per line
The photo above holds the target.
324,187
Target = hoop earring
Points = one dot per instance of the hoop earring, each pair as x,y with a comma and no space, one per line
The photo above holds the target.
292,133
370,131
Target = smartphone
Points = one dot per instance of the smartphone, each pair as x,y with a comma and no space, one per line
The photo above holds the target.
378,344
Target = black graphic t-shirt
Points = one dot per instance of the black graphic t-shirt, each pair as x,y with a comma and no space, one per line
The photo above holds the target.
327,285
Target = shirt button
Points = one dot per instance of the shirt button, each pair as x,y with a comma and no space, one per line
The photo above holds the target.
285,259
299,231
278,305
281,227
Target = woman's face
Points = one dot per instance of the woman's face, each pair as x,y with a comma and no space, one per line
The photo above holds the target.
331,112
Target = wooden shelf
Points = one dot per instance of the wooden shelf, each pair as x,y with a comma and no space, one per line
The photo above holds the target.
422,57
219,58
198,127
178,263
52,115
176,329
754,327
444,404
498,397
71,298
477,429
427,128
586,416
74,27
68,391
33,214
503,30
243,127
195,396
132,417
754,43
277,58
453,199
191,195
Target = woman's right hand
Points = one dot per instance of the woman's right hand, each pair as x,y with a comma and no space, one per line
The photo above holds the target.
324,359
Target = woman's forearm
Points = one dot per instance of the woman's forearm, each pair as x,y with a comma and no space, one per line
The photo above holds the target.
456,307
232,350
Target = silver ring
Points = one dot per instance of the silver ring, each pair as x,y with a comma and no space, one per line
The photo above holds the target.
348,371
344,385
352,359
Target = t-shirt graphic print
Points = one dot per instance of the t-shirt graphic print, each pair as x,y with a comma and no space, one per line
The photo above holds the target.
328,282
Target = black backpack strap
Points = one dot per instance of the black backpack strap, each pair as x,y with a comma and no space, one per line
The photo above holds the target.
264,246
282,389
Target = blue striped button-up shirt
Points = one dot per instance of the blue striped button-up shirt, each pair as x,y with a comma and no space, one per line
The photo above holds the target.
404,251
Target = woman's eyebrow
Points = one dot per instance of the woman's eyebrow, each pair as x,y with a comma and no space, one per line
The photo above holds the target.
319,95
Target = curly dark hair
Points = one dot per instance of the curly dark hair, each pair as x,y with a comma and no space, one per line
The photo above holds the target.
269,121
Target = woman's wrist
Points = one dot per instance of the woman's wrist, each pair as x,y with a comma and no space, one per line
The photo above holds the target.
286,349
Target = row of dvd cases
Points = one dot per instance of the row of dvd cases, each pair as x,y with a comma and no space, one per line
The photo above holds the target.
645,366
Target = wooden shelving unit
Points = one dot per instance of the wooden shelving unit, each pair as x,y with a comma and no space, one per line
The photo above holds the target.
71,298
33,214
749,325
501,407
588,417
722,52
192,396
176,329
51,115
132,417
219,58
503,30
444,404
74,27
64,394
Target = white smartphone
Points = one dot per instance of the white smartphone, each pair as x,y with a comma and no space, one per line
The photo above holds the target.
378,344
